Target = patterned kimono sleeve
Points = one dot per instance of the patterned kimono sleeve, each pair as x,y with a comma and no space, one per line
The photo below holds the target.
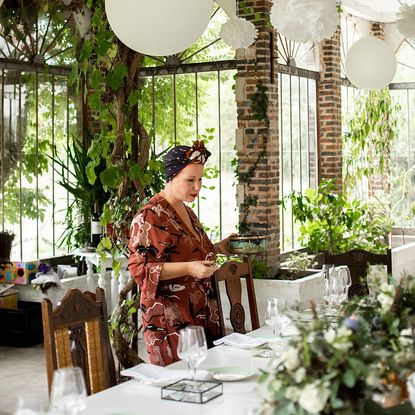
149,246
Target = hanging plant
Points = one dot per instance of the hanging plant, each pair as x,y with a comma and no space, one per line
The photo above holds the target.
368,140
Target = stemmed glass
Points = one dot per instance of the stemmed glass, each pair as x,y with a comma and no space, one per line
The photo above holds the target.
276,317
339,285
68,394
271,316
328,270
344,272
192,349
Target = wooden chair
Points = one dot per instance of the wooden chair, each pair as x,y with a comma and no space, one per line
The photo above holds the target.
357,261
76,334
231,273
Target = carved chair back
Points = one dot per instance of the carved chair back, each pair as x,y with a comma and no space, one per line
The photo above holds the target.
231,273
76,334
358,261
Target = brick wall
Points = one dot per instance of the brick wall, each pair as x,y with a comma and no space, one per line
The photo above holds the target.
377,29
329,111
253,137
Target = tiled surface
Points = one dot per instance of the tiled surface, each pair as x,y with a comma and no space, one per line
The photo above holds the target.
22,374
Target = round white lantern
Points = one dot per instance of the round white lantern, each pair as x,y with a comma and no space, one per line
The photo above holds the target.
370,63
158,27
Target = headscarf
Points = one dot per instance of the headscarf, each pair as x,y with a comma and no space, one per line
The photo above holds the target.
179,157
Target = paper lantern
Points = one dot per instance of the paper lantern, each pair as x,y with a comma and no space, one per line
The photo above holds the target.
158,27
305,20
228,6
370,63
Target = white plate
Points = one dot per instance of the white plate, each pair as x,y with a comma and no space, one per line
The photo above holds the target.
231,374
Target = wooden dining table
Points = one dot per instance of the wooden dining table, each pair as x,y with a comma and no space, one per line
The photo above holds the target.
239,397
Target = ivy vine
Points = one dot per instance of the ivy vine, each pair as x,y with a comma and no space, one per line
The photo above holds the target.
259,106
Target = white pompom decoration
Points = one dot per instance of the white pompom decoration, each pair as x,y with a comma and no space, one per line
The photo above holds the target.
83,21
305,20
406,21
238,33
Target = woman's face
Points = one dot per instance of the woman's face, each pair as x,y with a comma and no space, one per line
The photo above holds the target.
186,185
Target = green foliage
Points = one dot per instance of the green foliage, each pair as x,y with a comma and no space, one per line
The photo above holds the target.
367,144
259,269
338,370
245,178
259,103
330,222
299,261
74,178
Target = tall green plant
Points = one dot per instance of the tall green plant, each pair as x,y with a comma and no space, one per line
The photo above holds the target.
329,222
73,177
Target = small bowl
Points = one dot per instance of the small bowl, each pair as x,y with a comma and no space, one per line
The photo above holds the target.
247,244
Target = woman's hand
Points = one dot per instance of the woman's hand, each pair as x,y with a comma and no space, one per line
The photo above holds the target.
201,269
222,247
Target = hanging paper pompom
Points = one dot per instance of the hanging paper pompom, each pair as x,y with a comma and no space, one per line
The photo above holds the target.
305,20
238,33
83,21
406,21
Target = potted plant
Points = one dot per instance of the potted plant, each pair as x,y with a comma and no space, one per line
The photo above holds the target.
6,240
330,222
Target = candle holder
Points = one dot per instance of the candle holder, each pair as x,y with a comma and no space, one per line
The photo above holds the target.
186,390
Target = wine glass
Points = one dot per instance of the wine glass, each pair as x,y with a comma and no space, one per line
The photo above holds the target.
271,316
283,320
192,349
337,288
68,394
276,317
347,279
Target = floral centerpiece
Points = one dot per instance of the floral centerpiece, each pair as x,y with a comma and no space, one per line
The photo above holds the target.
354,365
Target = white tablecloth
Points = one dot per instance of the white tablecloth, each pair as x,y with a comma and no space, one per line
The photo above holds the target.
133,397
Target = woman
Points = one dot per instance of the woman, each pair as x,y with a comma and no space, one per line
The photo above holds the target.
172,258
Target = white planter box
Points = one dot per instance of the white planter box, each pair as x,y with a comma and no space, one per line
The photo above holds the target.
301,292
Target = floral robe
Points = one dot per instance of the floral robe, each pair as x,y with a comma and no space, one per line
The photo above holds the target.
158,235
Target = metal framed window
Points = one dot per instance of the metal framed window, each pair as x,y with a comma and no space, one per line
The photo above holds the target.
36,114
298,143
210,104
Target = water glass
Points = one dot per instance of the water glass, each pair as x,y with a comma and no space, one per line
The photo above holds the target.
68,394
347,279
192,349
339,285
276,316
271,316
328,270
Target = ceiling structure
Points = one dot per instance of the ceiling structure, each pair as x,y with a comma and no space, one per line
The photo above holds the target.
375,10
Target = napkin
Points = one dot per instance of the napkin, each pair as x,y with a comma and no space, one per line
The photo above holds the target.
241,341
159,375
46,280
